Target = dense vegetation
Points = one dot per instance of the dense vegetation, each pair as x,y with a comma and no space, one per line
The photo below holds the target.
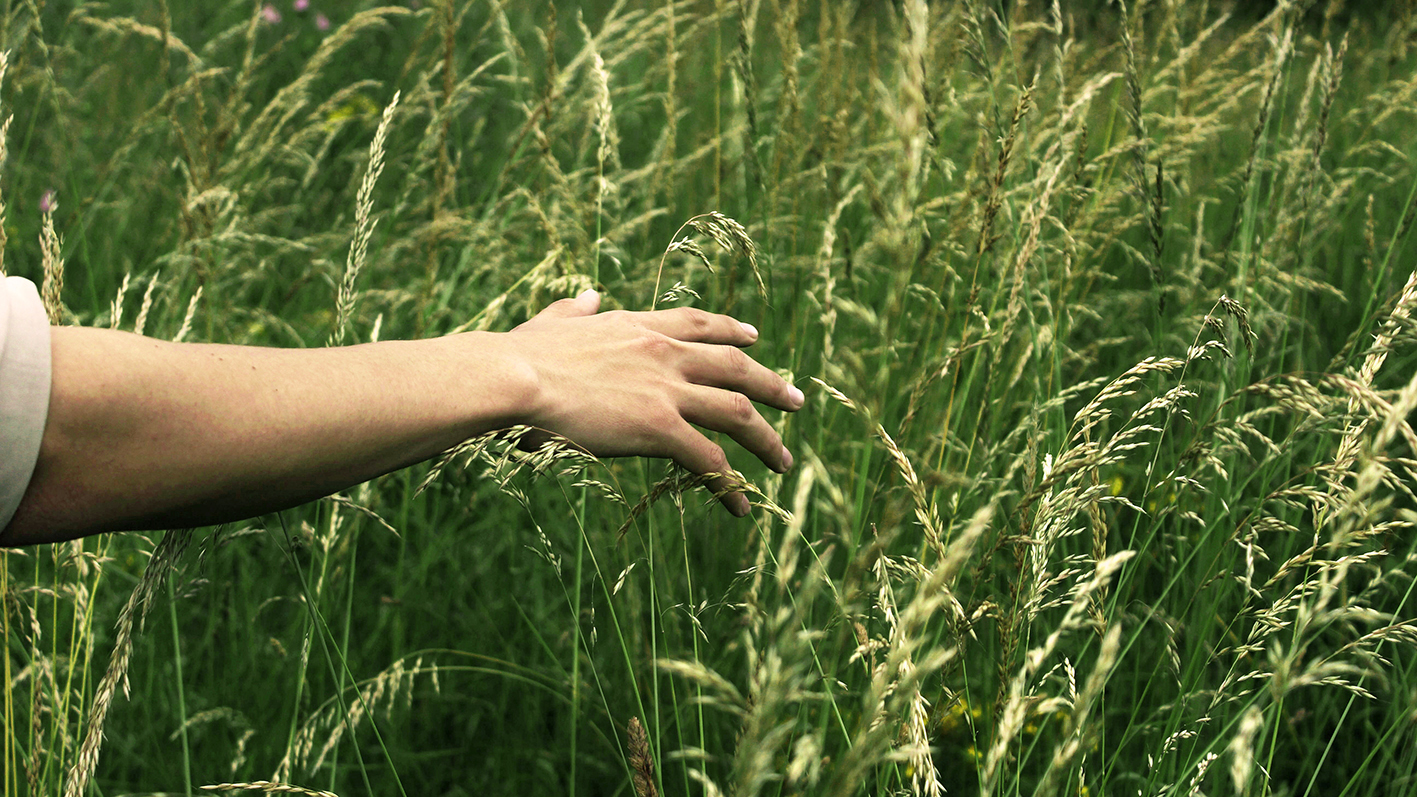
1104,482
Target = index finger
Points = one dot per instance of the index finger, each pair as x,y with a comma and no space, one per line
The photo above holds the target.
693,325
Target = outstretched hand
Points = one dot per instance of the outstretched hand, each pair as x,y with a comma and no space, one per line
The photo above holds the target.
637,384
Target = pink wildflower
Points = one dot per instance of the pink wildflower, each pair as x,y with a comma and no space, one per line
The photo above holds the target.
322,22
302,5
270,14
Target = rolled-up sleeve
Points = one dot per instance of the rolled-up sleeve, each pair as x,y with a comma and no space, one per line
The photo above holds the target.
24,388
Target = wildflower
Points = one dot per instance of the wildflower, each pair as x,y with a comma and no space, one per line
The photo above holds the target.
48,201
270,14
322,22
302,5
959,715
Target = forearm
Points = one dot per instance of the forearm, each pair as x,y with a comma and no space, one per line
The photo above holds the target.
148,434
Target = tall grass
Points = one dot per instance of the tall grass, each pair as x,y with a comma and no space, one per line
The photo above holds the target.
1103,485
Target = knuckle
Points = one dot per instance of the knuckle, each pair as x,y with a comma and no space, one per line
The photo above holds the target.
737,363
698,319
653,344
717,460
740,407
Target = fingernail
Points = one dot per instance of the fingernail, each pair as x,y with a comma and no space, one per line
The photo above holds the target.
786,458
585,293
741,506
796,395
749,328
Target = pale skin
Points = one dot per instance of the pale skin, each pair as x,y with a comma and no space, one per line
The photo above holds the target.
146,434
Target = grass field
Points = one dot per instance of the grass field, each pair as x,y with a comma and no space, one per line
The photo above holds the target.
1104,483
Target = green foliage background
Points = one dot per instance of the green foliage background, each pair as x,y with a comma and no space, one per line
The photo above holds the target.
970,219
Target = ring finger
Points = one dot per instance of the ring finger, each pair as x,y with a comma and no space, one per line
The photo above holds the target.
734,415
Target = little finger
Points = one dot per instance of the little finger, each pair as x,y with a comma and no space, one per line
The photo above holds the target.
697,454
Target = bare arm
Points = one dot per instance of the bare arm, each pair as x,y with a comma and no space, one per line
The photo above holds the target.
147,434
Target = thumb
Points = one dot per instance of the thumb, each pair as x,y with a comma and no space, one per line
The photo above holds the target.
587,303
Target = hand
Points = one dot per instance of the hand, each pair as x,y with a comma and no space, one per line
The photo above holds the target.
636,384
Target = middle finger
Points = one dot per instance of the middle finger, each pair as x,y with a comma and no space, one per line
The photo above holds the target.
729,368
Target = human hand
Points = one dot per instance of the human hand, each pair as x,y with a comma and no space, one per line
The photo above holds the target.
636,384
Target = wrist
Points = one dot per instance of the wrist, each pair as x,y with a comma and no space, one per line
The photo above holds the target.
502,387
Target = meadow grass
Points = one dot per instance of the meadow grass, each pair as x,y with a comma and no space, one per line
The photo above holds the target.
1104,483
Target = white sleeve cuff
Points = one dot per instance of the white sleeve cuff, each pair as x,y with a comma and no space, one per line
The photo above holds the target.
24,388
